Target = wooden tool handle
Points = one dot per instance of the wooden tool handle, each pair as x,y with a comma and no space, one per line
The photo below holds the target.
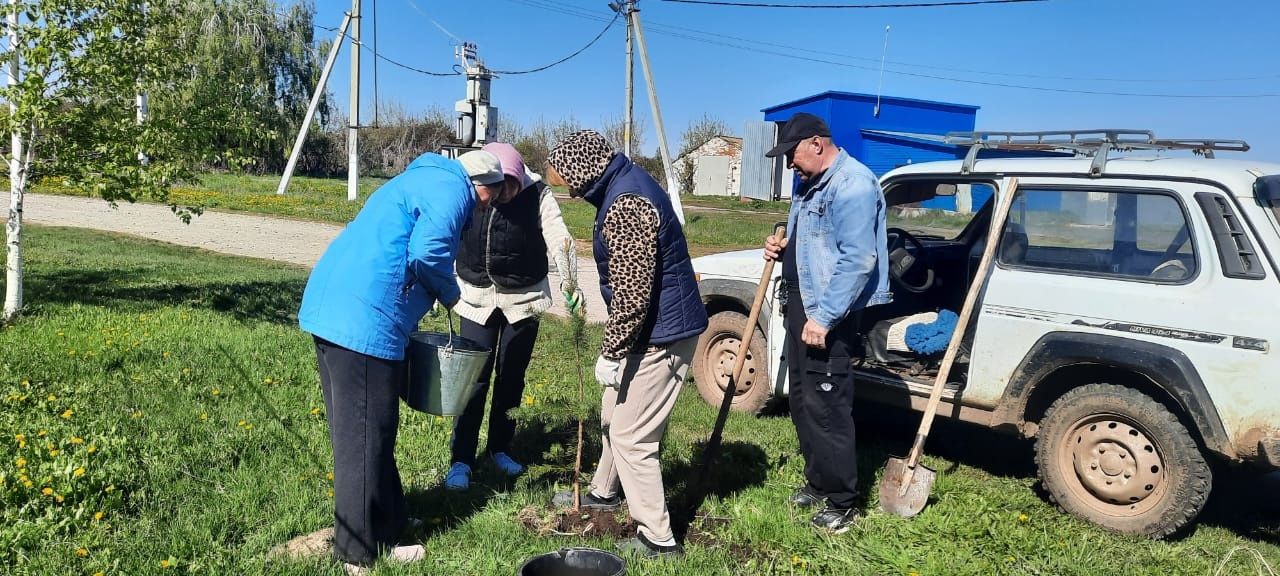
779,233
962,324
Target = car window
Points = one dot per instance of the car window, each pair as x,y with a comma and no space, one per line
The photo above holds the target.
943,216
1128,233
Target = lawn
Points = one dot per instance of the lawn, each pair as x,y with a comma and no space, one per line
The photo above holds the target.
325,200
161,414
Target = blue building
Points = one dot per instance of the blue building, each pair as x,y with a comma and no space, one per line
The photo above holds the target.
883,133
900,131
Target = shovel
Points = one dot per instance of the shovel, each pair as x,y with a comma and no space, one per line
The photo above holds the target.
713,444
906,485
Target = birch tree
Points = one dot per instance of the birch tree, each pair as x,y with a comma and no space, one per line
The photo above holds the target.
75,68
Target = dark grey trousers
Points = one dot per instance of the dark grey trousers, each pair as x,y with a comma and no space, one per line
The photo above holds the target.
512,346
362,404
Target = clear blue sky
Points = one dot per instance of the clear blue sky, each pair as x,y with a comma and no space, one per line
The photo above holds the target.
1130,46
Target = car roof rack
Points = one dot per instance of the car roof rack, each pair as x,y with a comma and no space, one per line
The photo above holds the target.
1095,143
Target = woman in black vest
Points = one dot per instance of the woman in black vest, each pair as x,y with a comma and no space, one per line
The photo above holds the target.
503,262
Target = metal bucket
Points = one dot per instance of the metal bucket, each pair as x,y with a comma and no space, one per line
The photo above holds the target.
442,372
575,562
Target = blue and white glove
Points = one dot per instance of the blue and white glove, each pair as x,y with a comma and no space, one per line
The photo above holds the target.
608,372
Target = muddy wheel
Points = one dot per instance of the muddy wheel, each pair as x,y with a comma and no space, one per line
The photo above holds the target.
713,364
1115,457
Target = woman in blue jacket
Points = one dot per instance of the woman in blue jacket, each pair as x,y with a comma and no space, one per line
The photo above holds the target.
366,294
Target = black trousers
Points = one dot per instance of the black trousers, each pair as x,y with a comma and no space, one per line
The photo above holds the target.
513,347
362,402
821,397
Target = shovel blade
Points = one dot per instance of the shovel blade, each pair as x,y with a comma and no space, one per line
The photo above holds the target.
905,491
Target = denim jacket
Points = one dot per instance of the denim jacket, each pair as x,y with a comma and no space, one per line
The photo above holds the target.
837,224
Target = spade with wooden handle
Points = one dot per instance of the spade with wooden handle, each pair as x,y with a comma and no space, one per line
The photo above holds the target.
906,485
713,444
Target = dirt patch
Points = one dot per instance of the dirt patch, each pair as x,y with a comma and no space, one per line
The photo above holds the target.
585,522
702,533
306,546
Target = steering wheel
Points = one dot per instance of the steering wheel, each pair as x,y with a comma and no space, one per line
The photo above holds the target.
910,269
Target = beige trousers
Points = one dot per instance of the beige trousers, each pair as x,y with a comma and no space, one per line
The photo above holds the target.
634,416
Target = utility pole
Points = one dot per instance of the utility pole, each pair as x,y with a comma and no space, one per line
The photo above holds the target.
628,123
673,189
353,128
315,103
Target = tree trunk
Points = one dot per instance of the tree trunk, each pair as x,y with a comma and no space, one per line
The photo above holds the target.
17,183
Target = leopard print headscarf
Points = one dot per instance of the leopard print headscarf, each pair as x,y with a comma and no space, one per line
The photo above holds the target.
581,159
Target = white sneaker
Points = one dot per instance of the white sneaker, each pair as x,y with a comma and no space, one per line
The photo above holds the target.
399,555
407,554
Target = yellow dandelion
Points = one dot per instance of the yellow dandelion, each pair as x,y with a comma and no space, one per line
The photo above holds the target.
52,398
67,414
55,452
913,573
19,437
329,476
99,573
47,491
81,552
267,380
42,433
528,400
241,423
97,516
110,342
331,493
216,392
78,472
166,354
59,498
26,483
91,449
22,462
315,411
204,416
186,370
110,488
1010,559
165,564
1023,518
77,440
248,427
137,413
439,418
60,333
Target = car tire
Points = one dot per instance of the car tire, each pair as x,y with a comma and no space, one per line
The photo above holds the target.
713,363
1115,457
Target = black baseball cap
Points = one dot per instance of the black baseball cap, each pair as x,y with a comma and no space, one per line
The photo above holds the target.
801,126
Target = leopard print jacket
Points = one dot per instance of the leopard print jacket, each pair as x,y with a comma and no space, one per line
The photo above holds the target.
631,235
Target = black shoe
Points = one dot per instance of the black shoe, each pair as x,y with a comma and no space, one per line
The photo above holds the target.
835,520
646,549
588,500
805,497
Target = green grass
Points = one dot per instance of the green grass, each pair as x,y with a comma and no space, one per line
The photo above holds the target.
325,200
186,375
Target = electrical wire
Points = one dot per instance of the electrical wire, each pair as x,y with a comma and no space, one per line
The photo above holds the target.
566,58
751,46
854,6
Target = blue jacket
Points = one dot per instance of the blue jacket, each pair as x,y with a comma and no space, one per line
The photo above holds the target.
837,224
676,311
392,262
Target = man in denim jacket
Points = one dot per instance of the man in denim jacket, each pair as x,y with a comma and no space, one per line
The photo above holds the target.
834,264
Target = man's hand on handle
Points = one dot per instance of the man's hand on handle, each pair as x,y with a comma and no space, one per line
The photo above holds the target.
773,247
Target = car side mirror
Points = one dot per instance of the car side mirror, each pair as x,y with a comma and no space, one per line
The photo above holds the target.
945,190
1267,190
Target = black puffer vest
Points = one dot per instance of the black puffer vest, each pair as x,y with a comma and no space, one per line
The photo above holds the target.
504,244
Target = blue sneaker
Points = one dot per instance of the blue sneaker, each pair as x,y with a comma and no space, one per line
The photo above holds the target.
458,478
506,464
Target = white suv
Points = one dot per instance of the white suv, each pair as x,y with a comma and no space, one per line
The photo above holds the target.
1127,324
